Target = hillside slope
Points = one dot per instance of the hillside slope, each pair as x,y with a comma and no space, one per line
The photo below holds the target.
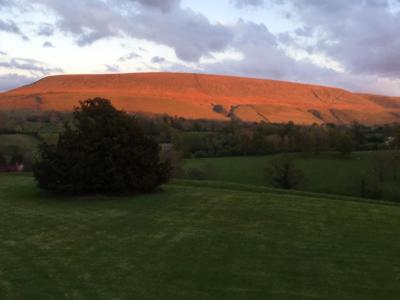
209,97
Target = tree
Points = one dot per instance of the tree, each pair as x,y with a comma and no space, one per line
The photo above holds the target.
17,158
3,162
103,151
283,173
396,139
345,145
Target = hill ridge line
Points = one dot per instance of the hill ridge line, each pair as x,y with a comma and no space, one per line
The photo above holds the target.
194,95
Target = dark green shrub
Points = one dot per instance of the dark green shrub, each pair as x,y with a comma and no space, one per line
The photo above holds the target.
106,151
282,173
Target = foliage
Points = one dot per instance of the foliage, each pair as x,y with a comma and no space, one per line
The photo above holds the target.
207,138
345,145
105,152
283,173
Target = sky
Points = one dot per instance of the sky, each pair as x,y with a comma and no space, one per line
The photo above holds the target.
349,44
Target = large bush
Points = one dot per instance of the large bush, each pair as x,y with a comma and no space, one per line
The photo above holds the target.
103,151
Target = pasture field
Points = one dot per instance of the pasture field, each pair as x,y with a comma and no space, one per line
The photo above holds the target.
324,173
24,143
195,241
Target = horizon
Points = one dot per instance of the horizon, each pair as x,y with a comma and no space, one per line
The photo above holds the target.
201,74
296,41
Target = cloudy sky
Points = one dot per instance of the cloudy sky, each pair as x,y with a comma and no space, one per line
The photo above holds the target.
351,44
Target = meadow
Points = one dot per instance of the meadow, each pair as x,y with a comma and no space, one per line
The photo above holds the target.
194,240
24,143
326,172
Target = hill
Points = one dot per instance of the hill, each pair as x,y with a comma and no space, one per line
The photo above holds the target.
213,97
188,242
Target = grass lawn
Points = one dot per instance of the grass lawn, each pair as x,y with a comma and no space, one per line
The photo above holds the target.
187,242
325,173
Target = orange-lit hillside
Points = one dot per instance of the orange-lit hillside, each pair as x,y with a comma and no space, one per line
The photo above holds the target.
196,96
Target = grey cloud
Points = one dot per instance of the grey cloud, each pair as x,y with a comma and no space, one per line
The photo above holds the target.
244,3
11,27
362,34
11,81
190,34
3,53
46,29
129,56
164,5
112,68
31,65
262,58
158,60
4,3
47,44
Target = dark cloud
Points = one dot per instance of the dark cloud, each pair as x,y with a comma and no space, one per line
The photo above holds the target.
11,27
46,29
4,3
48,44
163,5
31,65
12,81
190,34
262,56
244,3
158,60
362,34
112,68
129,56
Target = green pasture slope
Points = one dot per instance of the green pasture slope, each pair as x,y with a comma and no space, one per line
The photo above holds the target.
324,173
191,242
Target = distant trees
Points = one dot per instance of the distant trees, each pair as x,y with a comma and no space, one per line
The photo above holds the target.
105,151
282,173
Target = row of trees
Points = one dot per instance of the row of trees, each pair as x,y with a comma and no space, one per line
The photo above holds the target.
262,140
205,138
212,138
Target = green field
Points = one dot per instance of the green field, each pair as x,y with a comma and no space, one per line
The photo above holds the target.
219,241
324,173
24,143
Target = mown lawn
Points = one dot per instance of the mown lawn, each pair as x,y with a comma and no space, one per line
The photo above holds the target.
188,242
324,173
